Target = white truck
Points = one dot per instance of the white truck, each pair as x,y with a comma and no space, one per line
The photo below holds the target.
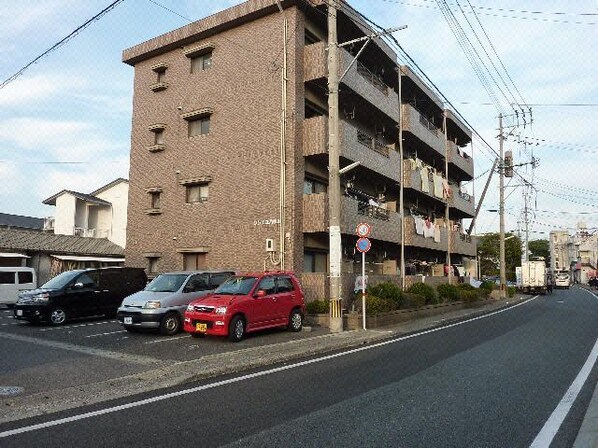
533,277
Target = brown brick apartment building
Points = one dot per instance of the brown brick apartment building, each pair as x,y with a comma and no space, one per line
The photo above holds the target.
206,150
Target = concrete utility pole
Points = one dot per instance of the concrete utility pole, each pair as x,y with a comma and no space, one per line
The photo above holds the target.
334,189
401,192
503,276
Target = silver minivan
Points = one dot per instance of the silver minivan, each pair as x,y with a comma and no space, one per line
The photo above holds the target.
162,303
14,280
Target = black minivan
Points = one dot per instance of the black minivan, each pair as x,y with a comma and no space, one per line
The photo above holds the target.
79,293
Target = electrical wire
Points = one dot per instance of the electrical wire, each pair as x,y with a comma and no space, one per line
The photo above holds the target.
63,41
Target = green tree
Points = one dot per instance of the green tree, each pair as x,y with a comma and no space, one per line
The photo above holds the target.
489,254
539,248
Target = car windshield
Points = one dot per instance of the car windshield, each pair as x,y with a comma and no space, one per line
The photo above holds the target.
61,280
236,286
166,283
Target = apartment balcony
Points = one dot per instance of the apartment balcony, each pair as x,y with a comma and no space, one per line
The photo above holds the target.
413,179
463,244
90,233
460,160
460,243
358,78
355,145
418,125
462,201
386,225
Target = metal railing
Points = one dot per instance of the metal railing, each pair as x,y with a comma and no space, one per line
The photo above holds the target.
372,211
428,124
373,79
80,231
372,143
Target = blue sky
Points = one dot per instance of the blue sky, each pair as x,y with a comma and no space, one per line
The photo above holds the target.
66,122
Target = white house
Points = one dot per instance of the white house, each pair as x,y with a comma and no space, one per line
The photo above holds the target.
99,214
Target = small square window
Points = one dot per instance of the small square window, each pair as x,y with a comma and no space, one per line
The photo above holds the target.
201,126
152,264
161,76
197,193
155,199
201,62
159,137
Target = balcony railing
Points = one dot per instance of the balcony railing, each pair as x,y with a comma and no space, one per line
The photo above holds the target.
373,211
428,124
80,231
372,143
373,79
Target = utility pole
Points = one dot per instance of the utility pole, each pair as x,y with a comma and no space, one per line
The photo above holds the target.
401,194
334,189
503,276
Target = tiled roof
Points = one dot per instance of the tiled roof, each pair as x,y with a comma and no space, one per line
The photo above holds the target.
27,240
22,222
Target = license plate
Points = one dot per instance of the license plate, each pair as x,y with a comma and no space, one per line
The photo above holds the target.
128,320
19,312
201,327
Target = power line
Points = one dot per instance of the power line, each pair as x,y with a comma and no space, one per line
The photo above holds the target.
61,42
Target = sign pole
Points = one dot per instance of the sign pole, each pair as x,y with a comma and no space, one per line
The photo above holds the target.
363,287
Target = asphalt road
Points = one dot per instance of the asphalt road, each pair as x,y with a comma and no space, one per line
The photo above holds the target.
490,382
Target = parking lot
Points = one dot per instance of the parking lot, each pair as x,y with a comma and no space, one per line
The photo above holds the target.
42,358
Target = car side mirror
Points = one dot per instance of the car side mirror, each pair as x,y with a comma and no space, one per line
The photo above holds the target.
260,293
78,285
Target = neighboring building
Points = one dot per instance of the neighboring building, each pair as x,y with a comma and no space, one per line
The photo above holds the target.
99,214
21,222
560,250
206,165
51,254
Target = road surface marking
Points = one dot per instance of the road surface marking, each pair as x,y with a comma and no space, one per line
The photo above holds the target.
66,327
238,379
105,334
124,357
155,341
554,422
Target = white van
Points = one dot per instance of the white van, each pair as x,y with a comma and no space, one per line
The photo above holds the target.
14,280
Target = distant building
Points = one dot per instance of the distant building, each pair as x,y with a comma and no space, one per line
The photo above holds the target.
21,222
51,254
99,214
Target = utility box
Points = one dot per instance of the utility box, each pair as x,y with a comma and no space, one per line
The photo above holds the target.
270,245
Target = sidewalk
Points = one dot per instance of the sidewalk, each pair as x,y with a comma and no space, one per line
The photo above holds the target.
252,358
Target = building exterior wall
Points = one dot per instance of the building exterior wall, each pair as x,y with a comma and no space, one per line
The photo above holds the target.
240,154
112,221
64,222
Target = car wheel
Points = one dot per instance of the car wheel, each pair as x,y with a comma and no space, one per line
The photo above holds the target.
236,329
295,321
57,316
170,324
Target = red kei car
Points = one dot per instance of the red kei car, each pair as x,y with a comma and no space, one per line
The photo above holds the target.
246,303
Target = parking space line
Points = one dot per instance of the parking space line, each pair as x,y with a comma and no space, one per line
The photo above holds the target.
155,341
66,327
124,357
105,334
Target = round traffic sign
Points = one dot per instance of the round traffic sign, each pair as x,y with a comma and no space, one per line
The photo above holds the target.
363,229
363,244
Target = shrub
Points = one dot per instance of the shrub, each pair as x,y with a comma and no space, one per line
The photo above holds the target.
376,305
425,290
388,291
448,292
411,300
511,291
317,307
488,286
469,296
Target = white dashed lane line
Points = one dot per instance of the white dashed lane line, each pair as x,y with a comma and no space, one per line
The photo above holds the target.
155,341
105,334
89,324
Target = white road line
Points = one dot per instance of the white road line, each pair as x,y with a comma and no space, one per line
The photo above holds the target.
554,422
156,341
66,327
216,384
105,334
